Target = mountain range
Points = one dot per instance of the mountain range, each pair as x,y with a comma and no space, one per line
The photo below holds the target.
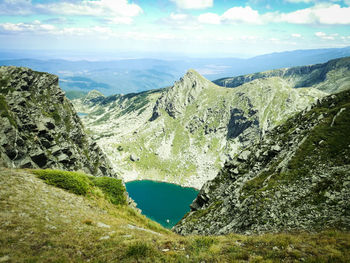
185,133
123,76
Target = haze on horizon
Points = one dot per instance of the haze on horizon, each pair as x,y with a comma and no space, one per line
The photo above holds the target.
197,28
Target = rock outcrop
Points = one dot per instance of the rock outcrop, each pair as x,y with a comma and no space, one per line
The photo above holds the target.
296,178
39,127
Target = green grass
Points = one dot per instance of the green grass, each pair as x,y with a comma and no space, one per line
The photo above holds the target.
141,250
82,184
113,189
75,182
42,224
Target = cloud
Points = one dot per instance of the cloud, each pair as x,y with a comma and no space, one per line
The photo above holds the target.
193,4
241,14
319,14
15,7
35,26
117,11
233,15
325,36
300,1
209,18
296,35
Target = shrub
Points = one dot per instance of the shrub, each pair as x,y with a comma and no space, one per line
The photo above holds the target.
113,189
75,182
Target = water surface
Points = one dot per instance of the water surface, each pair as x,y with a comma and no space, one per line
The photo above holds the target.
164,203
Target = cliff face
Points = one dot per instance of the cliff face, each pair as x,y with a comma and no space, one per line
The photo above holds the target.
329,77
184,134
40,128
297,177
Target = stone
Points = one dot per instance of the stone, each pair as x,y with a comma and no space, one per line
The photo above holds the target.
134,158
102,225
244,155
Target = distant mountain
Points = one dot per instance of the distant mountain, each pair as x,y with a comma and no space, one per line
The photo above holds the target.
135,75
296,178
330,77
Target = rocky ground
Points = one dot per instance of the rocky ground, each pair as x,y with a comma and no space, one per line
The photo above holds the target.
40,128
297,177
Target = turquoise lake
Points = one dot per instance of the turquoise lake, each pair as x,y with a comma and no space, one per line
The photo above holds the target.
164,203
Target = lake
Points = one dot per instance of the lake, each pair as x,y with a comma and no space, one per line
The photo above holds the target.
164,203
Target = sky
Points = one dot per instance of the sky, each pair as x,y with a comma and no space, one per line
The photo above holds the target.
197,28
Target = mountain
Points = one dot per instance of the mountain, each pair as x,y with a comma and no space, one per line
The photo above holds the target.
329,77
140,74
295,178
40,128
184,134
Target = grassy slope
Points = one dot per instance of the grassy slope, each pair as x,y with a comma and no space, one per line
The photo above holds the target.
41,223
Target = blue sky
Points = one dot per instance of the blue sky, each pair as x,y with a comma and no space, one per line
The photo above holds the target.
205,28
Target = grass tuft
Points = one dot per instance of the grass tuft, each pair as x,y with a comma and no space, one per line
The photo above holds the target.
113,189
75,182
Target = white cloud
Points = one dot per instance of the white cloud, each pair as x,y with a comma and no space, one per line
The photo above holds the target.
325,36
233,15
325,14
209,18
299,1
15,7
319,14
193,4
35,26
92,8
178,17
241,14
296,35
116,11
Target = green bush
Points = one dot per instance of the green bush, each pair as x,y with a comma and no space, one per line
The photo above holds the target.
75,182
81,184
113,189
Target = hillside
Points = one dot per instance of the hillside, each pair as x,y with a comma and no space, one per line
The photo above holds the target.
42,223
40,128
296,178
330,77
184,134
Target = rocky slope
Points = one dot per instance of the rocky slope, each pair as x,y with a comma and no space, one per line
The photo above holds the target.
40,128
184,134
297,177
330,77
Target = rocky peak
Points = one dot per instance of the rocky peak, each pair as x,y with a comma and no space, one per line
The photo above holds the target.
176,98
39,127
93,97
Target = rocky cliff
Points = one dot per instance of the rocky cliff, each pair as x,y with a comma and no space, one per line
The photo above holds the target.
329,77
296,178
40,128
184,134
